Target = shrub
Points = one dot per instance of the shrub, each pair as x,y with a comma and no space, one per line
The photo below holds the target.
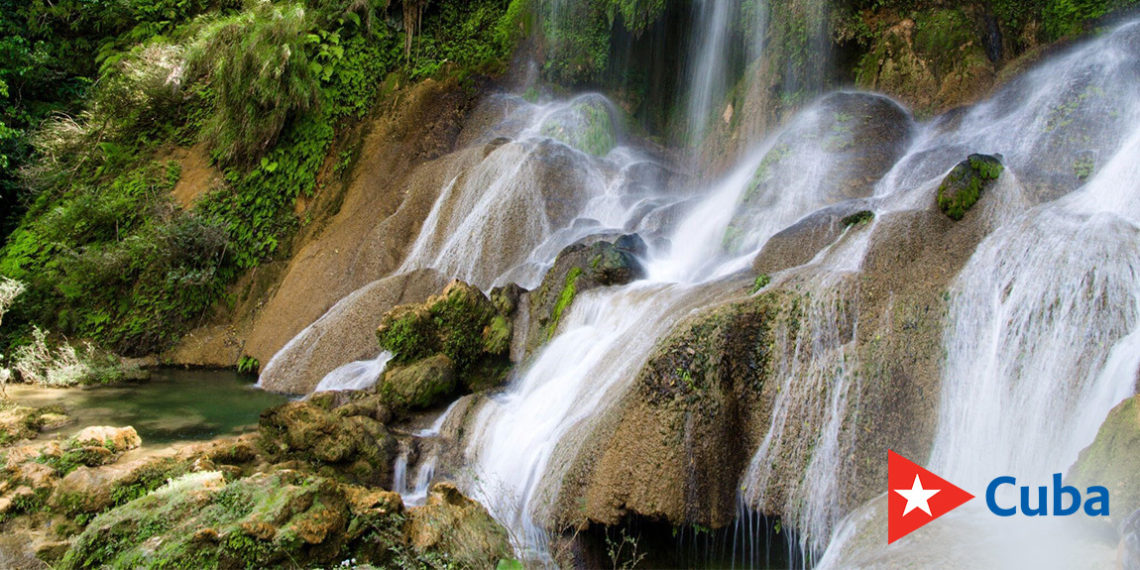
261,74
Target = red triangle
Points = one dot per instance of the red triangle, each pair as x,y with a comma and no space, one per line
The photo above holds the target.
901,474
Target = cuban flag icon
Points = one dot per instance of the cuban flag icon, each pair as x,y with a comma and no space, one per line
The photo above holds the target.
916,496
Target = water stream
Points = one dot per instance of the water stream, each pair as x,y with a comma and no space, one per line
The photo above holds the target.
1043,333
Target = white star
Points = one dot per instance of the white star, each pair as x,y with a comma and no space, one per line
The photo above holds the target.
917,497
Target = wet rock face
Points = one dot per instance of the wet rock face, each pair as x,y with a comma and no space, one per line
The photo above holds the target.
1130,542
834,152
683,440
585,265
1113,459
799,243
587,125
966,184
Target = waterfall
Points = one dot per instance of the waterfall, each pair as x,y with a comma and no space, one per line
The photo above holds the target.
712,45
1043,333
562,177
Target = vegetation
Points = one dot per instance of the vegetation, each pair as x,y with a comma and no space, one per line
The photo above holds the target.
860,217
963,187
577,34
95,95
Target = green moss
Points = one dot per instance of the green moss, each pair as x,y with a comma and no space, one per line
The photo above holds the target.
408,335
964,185
497,335
565,298
761,282
860,217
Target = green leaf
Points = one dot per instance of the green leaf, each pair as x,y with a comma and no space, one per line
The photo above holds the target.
509,564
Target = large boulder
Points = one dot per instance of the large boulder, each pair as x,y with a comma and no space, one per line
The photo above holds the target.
685,432
580,267
118,439
421,384
454,523
835,151
1113,459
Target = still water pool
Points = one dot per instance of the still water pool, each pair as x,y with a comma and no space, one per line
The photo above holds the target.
174,406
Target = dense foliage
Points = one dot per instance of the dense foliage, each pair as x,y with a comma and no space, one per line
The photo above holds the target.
96,95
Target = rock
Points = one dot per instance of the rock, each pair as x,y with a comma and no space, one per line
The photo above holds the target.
113,438
23,422
934,60
460,323
966,183
200,521
833,152
356,447
800,242
586,125
1113,459
1129,550
579,267
454,523
421,384
683,437
38,475
283,518
344,333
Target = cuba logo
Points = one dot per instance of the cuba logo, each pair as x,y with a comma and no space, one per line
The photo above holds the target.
917,496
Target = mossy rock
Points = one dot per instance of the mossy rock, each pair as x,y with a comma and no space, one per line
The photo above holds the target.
1113,459
421,384
932,59
18,422
355,448
462,325
199,521
455,524
587,125
684,436
966,184
579,267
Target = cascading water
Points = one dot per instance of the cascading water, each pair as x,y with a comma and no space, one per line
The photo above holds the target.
359,375
1044,329
1043,336
712,45
563,177
522,440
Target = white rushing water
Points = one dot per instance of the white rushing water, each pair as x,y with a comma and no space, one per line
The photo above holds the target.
359,375
1043,334
709,73
563,176
1042,338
